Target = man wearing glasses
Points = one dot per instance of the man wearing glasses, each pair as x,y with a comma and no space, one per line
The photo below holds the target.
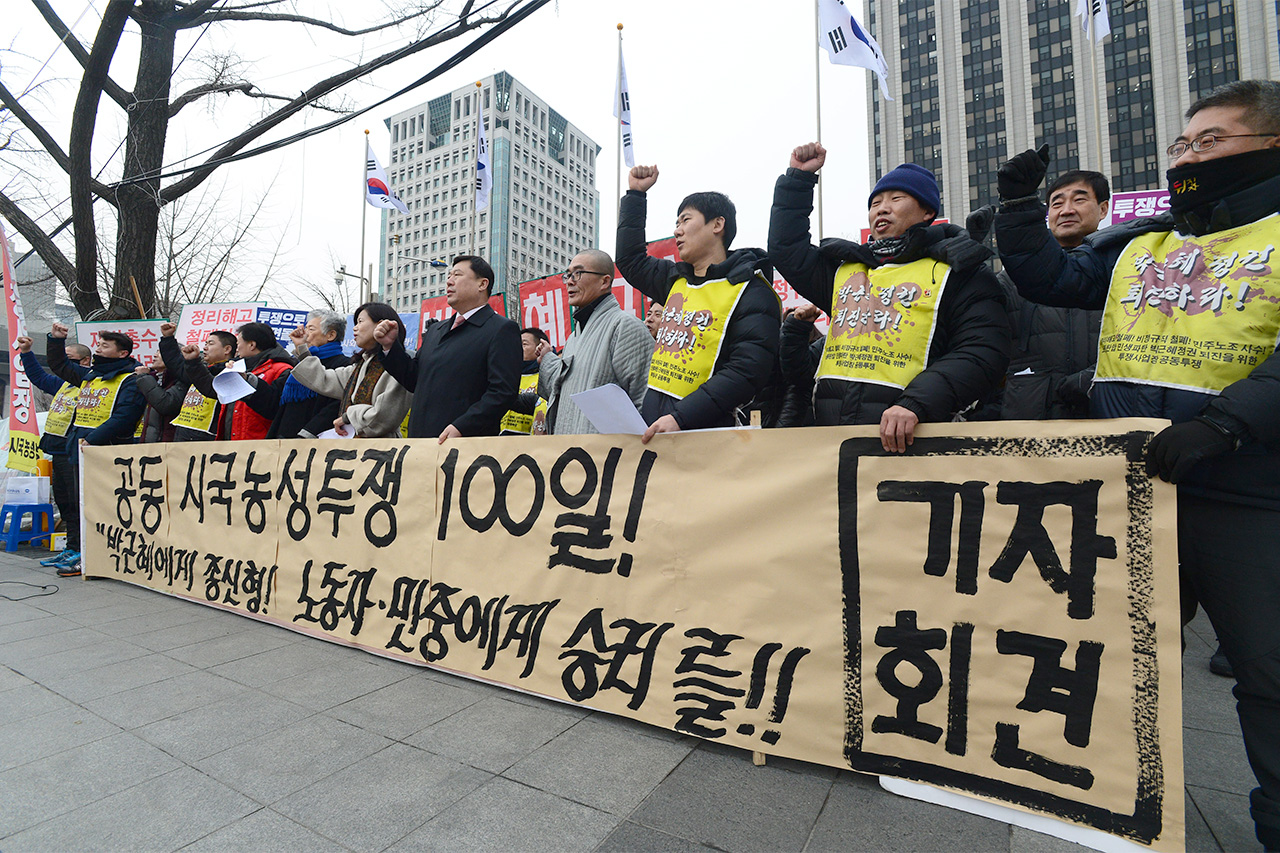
1191,315
607,345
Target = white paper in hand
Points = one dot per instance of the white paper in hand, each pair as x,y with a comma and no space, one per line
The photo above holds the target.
333,433
231,386
236,366
610,410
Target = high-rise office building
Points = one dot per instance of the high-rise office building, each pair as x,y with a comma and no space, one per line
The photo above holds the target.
976,81
543,207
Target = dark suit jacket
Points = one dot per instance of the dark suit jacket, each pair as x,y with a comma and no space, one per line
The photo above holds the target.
468,377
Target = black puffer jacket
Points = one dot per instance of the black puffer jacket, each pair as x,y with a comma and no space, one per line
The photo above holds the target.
799,358
970,348
1249,409
748,356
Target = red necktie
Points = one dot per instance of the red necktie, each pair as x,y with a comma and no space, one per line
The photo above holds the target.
458,320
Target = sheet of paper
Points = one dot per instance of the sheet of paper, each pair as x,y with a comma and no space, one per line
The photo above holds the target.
231,386
610,410
333,433
236,366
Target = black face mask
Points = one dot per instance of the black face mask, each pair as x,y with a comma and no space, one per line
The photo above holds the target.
1198,185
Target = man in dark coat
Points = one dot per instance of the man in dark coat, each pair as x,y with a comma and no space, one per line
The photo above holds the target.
466,372
1191,314
918,329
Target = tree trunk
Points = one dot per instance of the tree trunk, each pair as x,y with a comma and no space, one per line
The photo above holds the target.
139,203
84,117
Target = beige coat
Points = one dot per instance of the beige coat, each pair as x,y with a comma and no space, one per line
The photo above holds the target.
379,419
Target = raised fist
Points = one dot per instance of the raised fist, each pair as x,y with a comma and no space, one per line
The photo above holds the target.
385,333
24,343
808,157
143,370
807,313
642,177
190,352
58,330
1021,176
298,336
168,329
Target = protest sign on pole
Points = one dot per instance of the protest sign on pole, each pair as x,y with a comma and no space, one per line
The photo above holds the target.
145,335
198,321
24,431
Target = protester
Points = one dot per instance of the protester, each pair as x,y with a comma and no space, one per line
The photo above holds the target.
108,408
524,418
367,400
606,346
53,441
912,268
303,413
1204,273
717,346
1054,349
653,320
799,353
195,417
465,373
267,368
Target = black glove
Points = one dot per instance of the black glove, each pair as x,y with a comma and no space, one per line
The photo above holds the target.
978,223
1074,389
1022,175
1177,449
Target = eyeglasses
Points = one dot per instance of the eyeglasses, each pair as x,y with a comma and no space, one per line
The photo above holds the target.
1206,141
576,275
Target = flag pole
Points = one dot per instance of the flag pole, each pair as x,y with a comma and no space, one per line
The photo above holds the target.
617,162
364,213
1104,154
475,213
817,89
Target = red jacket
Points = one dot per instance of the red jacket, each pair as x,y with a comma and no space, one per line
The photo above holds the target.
248,424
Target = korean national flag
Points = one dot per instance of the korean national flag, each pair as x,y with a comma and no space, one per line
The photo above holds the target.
484,177
1097,10
622,112
847,43
376,189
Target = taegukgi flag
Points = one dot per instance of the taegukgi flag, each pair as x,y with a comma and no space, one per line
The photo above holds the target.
622,111
376,189
1097,9
484,177
847,43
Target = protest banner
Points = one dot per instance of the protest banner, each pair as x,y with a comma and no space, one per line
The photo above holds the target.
437,308
197,321
996,612
282,321
1135,204
24,431
144,333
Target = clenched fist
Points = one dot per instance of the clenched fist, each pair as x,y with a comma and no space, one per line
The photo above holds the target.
24,343
58,330
642,177
190,352
298,336
386,332
168,329
808,157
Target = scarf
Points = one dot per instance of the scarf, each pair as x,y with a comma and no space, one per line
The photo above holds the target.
293,390
356,394
1196,187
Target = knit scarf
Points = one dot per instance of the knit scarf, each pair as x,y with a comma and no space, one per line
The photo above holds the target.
356,394
293,390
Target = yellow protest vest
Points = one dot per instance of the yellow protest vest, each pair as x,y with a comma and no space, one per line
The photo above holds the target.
691,333
61,410
883,321
540,417
197,412
97,400
516,423
1191,312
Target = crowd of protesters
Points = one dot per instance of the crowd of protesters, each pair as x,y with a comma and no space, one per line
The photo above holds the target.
1038,340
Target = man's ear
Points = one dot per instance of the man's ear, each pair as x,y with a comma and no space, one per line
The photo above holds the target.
1104,207
717,227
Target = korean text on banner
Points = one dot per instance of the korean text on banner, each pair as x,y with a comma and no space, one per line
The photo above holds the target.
145,335
24,432
198,321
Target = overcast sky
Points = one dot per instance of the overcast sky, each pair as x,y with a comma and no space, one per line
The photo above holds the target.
721,91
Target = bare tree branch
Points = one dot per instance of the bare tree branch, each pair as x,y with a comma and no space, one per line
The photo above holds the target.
244,13
49,143
41,242
113,89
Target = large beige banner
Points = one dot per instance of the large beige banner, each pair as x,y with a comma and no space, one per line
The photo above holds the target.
995,612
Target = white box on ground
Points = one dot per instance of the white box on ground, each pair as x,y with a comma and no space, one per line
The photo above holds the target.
26,490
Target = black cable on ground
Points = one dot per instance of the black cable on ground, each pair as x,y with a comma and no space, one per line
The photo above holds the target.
46,589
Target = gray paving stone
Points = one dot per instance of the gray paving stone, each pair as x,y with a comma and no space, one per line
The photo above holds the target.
1026,841
47,787
26,650
600,765
206,730
380,799
118,677
275,765
29,700
634,838
36,623
493,733
186,633
63,663
719,798
860,815
283,662
260,831
324,687
1216,761
233,645
1200,838
1228,818
191,804
125,608
151,702
157,620
75,597
36,737
10,679
405,707
504,816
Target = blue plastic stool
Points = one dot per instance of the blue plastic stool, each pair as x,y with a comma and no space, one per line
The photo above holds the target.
14,513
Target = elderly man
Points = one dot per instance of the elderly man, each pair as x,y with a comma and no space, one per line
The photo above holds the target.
928,284
607,345
304,413
1204,274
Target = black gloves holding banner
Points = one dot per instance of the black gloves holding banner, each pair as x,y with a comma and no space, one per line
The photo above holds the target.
1021,176
1177,449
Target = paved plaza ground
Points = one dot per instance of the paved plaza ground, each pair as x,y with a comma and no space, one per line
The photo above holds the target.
132,721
